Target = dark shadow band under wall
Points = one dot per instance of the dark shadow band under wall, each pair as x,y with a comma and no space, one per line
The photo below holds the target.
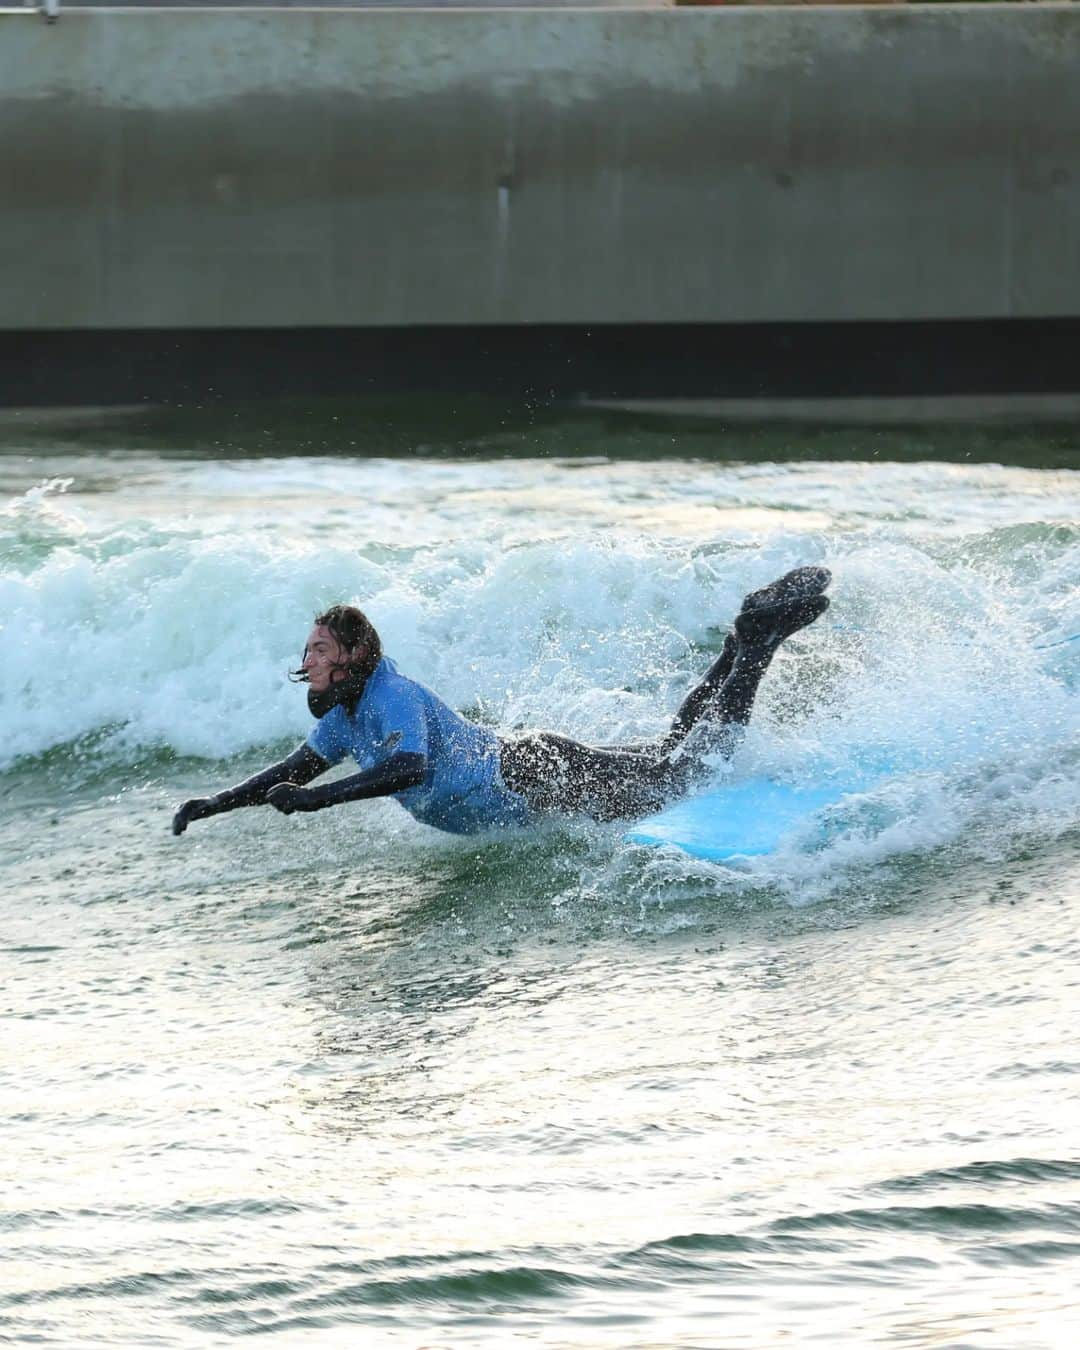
542,363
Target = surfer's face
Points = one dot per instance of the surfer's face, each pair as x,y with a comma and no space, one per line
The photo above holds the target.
325,659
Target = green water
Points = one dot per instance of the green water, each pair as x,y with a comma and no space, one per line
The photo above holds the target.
339,1080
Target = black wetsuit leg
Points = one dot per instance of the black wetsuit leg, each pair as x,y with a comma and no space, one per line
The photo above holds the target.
696,703
703,701
556,774
759,633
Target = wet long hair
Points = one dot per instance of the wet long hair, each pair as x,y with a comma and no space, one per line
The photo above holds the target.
351,628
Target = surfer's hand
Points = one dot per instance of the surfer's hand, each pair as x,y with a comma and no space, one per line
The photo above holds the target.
288,797
198,808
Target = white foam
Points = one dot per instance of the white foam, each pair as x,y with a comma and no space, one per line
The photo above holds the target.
542,595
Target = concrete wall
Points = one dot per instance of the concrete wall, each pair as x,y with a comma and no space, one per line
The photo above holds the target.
194,168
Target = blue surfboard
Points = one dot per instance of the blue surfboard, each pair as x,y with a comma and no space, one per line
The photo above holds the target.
744,819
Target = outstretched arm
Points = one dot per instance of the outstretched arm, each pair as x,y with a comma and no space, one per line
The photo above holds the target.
300,767
400,771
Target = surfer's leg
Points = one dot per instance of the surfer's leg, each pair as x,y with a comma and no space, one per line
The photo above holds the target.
759,633
800,584
556,774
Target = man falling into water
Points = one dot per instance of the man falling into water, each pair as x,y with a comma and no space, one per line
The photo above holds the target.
460,777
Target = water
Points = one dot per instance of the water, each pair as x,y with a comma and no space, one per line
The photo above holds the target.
340,1080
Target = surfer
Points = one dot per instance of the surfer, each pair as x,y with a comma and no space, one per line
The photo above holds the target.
460,777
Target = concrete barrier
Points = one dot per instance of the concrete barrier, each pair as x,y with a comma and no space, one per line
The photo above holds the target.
186,169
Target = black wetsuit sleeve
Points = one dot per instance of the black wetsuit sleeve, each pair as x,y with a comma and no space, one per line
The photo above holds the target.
300,767
404,770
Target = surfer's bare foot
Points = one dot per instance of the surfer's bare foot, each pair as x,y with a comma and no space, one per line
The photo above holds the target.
798,584
769,625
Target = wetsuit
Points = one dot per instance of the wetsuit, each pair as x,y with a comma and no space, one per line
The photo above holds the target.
457,776
473,780
462,789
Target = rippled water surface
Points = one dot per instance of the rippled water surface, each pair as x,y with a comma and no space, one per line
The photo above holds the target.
340,1080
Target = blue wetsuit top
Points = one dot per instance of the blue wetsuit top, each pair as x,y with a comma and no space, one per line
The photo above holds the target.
463,790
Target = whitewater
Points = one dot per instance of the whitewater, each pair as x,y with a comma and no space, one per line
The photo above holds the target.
339,1079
